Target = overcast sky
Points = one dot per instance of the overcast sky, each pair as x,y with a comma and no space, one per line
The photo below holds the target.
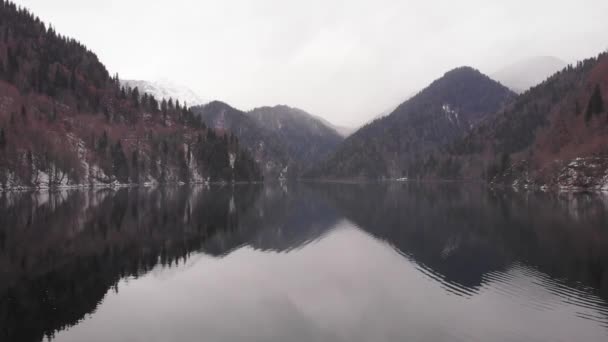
344,60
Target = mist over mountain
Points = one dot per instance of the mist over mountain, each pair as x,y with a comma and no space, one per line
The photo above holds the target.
344,131
526,73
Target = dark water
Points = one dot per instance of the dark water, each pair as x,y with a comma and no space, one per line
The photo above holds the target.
401,262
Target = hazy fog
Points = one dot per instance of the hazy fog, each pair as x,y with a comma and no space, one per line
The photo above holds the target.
345,60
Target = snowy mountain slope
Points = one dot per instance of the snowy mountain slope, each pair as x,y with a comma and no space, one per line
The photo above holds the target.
165,90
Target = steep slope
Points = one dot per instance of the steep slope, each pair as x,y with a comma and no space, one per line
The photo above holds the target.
527,73
306,138
344,131
388,110
394,146
555,134
165,90
263,144
65,122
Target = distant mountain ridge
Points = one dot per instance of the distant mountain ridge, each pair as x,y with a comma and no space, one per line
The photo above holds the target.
524,74
263,144
283,140
344,131
306,138
393,146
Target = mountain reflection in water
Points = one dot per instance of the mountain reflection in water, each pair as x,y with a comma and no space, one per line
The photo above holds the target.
304,262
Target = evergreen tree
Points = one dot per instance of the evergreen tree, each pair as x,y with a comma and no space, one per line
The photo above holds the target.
163,106
135,165
2,139
13,65
153,104
596,103
102,144
2,70
24,114
135,96
120,167
145,101
73,80
505,161
52,115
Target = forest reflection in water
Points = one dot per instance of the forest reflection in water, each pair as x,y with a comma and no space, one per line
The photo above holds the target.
332,262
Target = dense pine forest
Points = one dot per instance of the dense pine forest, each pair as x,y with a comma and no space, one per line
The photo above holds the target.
554,134
64,120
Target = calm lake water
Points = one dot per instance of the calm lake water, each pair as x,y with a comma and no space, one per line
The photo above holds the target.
304,262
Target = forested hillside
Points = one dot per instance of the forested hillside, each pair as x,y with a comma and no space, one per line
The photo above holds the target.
555,134
466,126
263,145
307,139
64,121
399,144
282,140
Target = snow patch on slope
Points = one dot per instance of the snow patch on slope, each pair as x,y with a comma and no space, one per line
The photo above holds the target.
450,113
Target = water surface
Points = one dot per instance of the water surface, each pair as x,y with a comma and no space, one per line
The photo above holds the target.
331,262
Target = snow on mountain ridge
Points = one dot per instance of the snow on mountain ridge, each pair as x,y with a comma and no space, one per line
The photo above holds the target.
166,90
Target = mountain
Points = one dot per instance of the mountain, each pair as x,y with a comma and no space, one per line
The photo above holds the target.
306,138
524,74
166,90
65,122
263,144
344,131
392,108
283,140
393,146
553,135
